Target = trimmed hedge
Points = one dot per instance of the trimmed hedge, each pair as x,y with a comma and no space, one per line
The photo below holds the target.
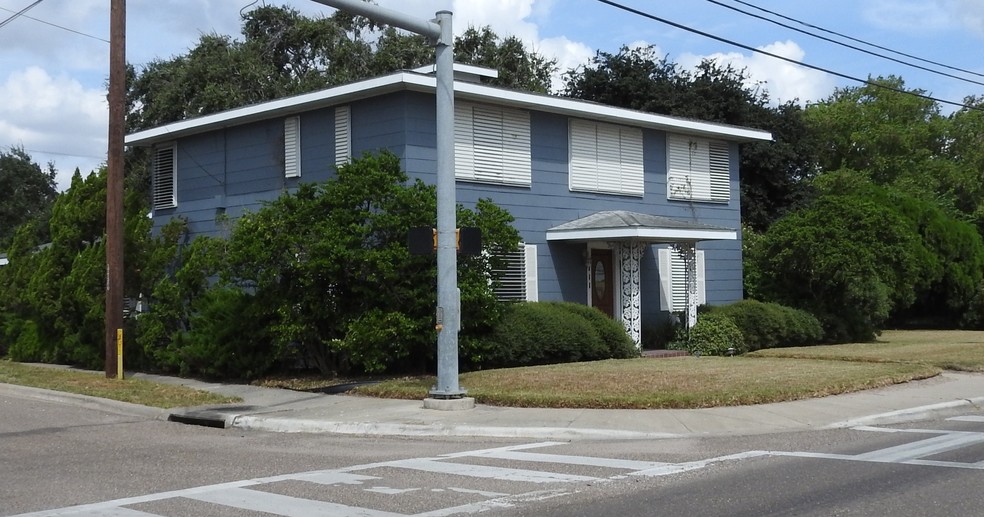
713,334
771,325
535,333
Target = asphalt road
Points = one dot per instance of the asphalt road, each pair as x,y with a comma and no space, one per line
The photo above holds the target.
56,457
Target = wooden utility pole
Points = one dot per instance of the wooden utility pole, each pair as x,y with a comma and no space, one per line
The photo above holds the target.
114,183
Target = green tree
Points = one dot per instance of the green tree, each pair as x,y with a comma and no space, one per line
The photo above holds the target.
331,263
773,175
54,295
286,53
28,192
863,255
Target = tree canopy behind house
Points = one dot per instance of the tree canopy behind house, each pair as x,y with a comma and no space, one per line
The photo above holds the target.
28,193
283,53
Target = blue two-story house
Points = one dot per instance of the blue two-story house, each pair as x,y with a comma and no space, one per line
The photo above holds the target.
634,213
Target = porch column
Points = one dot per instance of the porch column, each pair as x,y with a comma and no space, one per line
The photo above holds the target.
629,262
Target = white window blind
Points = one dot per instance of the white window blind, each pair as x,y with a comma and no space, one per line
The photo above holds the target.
292,147
491,144
517,277
343,135
605,158
673,280
165,185
697,169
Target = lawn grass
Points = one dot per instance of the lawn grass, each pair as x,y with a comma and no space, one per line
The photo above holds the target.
687,382
765,376
97,385
945,349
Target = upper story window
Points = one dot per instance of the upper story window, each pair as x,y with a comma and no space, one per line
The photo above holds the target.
606,158
491,144
165,183
697,169
343,135
292,147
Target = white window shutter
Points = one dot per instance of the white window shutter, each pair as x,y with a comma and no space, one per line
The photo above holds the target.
343,135
464,142
701,281
532,289
292,147
165,184
697,169
492,144
605,158
665,279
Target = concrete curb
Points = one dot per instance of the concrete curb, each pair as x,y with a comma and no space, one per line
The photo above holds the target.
86,401
293,425
910,414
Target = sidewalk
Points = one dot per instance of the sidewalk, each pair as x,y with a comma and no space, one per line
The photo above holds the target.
279,410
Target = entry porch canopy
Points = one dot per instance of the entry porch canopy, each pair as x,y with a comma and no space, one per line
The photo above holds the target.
628,234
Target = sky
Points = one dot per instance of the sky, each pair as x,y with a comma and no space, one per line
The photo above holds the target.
54,59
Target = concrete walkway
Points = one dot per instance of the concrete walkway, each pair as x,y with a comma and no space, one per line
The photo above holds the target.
271,409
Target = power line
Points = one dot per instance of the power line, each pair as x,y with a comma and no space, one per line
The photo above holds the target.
971,72
58,26
783,58
859,49
19,13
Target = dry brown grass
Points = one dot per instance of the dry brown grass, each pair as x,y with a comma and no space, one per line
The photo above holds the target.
97,385
665,383
945,349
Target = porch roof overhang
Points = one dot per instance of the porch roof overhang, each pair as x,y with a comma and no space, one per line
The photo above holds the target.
616,225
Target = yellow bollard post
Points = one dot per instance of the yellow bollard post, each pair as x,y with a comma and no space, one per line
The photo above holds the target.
119,354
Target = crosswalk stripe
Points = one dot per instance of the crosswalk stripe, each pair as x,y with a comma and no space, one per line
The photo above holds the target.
116,512
588,461
967,418
287,506
482,471
922,448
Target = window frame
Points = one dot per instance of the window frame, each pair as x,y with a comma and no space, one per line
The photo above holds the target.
673,283
492,144
164,195
697,169
605,158
518,277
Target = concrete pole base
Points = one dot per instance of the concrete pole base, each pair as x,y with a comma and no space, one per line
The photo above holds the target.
450,404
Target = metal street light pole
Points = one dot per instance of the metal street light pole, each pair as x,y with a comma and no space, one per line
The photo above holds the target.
448,297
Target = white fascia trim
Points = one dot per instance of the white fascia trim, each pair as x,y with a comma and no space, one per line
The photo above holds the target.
648,234
425,83
266,110
594,111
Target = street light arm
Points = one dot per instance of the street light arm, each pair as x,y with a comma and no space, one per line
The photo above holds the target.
388,16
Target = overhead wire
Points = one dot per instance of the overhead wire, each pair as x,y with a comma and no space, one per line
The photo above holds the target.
851,38
80,33
19,13
852,47
783,58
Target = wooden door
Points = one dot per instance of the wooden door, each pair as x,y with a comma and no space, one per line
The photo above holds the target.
602,281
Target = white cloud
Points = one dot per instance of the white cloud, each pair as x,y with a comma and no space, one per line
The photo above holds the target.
783,80
54,118
907,15
970,13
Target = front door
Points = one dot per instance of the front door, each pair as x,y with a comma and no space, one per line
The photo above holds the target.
602,281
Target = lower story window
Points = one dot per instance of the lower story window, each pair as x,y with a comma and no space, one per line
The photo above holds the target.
517,275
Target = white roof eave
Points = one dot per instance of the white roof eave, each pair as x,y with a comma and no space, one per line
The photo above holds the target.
463,90
642,234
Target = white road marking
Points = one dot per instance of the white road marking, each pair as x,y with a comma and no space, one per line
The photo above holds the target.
118,512
922,448
590,461
334,478
287,506
968,418
390,491
482,471
476,492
